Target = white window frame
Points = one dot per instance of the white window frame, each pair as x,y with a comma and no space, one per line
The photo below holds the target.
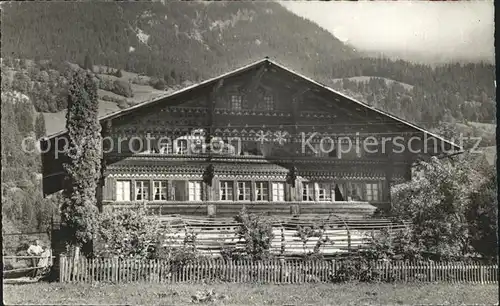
142,190
372,192
278,189
226,189
123,190
160,188
194,191
181,146
308,187
262,191
326,191
244,189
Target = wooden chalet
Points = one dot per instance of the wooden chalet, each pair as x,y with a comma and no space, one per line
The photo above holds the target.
249,138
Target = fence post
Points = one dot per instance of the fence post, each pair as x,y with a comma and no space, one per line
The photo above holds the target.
481,274
62,268
282,269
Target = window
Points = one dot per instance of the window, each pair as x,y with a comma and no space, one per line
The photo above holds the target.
243,191
326,191
236,102
372,192
307,191
160,190
350,150
142,190
352,191
165,148
181,146
123,190
261,191
278,191
194,191
226,191
269,102
179,190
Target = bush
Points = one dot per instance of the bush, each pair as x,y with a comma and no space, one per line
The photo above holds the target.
127,233
257,233
354,269
160,85
118,73
122,88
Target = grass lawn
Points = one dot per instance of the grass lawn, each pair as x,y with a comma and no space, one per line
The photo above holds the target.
252,294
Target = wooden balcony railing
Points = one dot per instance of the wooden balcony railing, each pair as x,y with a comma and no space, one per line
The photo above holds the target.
231,208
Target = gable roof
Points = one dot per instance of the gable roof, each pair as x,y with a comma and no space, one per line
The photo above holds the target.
249,67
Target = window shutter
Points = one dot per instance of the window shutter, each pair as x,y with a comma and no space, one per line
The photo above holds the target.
216,189
112,189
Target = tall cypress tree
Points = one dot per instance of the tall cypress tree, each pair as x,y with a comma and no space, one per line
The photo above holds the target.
79,210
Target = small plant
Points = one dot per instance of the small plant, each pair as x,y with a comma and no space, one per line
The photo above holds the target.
257,233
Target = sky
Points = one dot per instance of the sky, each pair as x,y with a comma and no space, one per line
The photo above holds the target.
411,30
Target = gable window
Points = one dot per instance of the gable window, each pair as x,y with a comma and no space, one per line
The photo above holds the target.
326,191
226,191
261,191
372,193
278,191
160,190
243,191
236,102
194,191
122,190
142,190
269,102
307,191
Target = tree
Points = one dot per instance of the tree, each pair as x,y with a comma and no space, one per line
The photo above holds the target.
79,210
483,218
436,202
40,126
118,73
87,64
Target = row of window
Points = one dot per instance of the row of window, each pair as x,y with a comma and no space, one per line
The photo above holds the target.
192,191
236,103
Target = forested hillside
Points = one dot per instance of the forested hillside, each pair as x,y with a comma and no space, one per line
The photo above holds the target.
153,47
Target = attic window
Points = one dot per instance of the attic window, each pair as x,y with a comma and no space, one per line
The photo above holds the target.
236,102
269,102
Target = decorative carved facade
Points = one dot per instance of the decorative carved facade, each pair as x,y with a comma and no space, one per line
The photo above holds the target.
261,136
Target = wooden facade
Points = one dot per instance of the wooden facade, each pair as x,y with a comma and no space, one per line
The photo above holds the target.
250,138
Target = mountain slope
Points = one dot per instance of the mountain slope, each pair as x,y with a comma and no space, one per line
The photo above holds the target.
183,40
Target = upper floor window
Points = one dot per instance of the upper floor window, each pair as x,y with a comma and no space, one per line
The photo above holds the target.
226,191
236,102
142,190
181,146
243,191
194,191
261,191
160,190
123,190
269,102
307,191
278,191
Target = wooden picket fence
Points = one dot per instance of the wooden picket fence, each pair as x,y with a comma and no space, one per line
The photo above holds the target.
278,271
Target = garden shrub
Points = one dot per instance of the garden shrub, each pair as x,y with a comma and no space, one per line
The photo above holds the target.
127,233
257,232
